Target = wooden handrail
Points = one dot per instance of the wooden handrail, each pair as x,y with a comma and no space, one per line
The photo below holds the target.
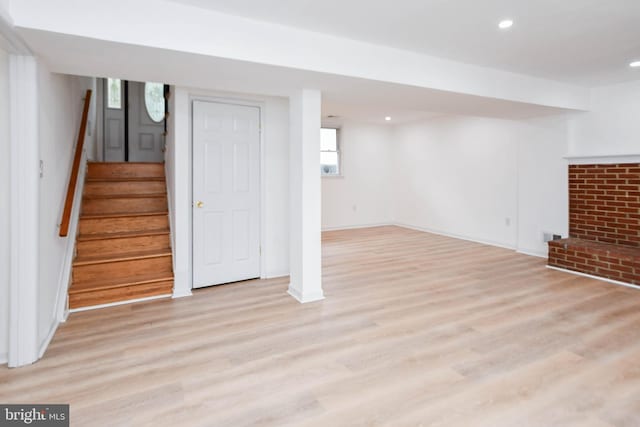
73,179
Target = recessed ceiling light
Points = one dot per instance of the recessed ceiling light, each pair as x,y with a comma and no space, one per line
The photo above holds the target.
635,64
387,118
505,23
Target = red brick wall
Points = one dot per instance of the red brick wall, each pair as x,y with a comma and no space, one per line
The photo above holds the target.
604,203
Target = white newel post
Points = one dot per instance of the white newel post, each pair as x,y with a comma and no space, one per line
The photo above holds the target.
305,196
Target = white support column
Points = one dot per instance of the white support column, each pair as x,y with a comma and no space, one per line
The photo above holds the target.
305,257
24,265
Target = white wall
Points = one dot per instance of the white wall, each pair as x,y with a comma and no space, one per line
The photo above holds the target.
4,202
60,108
501,182
613,124
359,197
456,175
543,193
5,7
275,233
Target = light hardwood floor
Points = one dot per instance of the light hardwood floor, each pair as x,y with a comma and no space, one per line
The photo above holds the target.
416,330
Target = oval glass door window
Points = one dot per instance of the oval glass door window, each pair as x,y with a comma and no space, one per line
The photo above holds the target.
154,100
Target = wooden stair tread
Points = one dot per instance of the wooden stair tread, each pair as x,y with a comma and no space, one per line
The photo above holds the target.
103,259
106,164
125,196
122,234
123,245
122,214
110,283
126,179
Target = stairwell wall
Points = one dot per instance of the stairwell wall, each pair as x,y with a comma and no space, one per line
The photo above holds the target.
60,108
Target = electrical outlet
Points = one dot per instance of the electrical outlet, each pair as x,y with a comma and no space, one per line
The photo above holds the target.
507,221
547,236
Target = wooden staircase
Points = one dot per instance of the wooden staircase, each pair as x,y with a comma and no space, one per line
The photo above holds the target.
123,247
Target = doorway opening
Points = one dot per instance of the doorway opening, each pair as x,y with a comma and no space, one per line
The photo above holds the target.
134,120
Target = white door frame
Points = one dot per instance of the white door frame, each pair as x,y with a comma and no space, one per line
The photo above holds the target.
261,209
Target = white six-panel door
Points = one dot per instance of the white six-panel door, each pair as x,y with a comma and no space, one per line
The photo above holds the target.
226,193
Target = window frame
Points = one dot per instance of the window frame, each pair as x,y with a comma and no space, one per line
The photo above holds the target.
338,152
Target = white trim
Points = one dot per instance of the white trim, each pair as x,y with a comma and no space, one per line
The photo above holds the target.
303,299
181,294
64,281
261,105
590,276
23,211
440,233
16,44
277,275
47,340
172,241
531,253
115,304
357,226
455,236
603,159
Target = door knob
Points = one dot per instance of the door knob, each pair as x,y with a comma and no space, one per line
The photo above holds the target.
199,204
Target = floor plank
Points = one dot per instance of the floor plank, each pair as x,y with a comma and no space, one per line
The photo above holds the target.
416,329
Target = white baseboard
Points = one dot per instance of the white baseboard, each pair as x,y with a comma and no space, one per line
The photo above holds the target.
47,340
276,275
64,280
182,294
440,233
454,236
115,304
591,276
532,253
306,298
354,227
182,283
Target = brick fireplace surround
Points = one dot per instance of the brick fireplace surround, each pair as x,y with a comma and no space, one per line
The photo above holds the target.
604,223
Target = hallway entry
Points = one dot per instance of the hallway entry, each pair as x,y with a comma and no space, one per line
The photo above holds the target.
134,120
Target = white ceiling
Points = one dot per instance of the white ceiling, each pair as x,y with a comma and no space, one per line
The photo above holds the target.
586,42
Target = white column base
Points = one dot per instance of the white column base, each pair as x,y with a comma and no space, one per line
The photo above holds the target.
304,298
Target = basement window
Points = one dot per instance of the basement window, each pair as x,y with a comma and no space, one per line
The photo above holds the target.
330,152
